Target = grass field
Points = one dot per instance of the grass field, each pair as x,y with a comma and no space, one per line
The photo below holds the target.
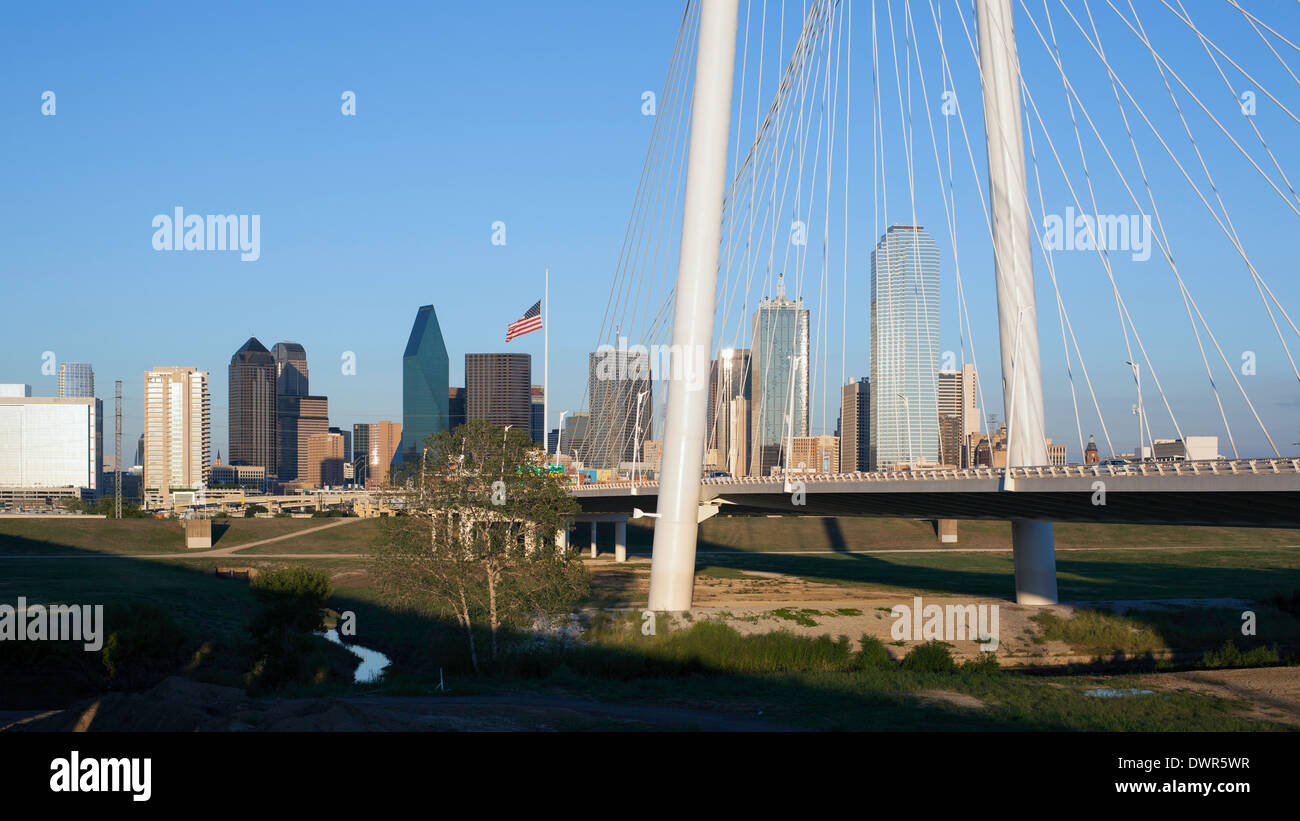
72,534
1130,563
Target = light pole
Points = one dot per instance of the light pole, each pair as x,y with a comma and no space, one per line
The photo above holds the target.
636,439
789,421
559,434
504,434
1137,409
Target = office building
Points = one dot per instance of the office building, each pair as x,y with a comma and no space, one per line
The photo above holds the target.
177,432
779,369
740,437
248,477
377,447
815,454
51,442
621,404
538,409
424,384
904,349
573,438
455,407
290,369
1057,454
729,379
855,425
957,398
360,452
498,389
552,440
298,418
324,460
253,408
347,443
76,379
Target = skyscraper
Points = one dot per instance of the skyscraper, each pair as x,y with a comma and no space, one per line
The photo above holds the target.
290,369
855,425
904,348
424,383
621,401
779,369
455,407
360,452
729,379
48,441
253,407
538,413
298,418
324,460
958,415
381,442
498,389
177,431
347,442
76,379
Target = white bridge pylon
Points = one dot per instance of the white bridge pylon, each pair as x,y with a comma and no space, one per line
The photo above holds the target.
672,571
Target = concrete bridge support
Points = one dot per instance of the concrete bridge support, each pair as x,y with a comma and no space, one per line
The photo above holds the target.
1033,545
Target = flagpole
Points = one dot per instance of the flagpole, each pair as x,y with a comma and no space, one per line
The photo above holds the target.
546,359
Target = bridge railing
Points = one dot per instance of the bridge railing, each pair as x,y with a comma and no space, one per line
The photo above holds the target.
1211,467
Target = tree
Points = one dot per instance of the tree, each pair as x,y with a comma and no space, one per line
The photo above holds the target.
478,534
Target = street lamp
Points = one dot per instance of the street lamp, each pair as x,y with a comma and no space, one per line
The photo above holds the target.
559,434
1137,409
789,420
636,439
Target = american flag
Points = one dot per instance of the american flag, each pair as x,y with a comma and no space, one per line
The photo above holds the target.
531,321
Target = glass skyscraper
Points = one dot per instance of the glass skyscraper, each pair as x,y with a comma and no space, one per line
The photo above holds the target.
424,384
779,369
252,407
904,348
76,380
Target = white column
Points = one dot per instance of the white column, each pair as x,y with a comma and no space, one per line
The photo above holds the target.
1033,545
620,540
594,531
672,567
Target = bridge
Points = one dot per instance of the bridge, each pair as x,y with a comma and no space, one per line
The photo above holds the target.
732,225
1237,493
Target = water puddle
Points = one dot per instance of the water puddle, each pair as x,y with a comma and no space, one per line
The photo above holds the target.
1124,692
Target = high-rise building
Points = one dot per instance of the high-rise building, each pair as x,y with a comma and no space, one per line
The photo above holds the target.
76,379
324,460
360,452
958,414
497,389
456,399
424,384
574,436
298,418
347,442
177,431
815,454
621,402
538,413
49,442
382,440
253,407
740,437
855,425
290,369
904,348
729,378
552,440
779,369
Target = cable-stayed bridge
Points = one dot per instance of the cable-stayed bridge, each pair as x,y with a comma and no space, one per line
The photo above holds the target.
1143,140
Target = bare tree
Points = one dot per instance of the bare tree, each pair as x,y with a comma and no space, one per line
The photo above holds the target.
478,533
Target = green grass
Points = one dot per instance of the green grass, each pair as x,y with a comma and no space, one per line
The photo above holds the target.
72,535
1177,628
817,533
352,536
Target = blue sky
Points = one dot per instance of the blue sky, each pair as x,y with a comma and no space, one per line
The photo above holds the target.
530,114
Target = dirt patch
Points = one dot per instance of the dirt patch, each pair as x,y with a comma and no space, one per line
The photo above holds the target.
1272,692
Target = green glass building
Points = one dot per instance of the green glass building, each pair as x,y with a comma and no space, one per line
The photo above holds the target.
424,384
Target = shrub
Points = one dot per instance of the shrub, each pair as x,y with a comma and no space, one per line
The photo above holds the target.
931,657
1229,656
143,645
873,655
982,665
